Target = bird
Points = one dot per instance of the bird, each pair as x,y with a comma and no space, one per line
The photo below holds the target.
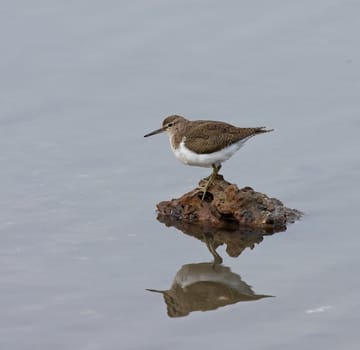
205,143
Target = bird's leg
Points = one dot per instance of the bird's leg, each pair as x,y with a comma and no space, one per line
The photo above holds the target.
209,241
211,178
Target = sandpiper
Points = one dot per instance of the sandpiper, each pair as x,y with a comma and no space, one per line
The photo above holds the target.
205,143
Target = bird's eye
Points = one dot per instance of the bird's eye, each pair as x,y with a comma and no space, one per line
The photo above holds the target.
170,125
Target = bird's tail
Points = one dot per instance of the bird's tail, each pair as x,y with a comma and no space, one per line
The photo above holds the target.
262,130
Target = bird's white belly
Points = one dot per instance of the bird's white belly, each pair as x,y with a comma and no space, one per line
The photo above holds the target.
189,157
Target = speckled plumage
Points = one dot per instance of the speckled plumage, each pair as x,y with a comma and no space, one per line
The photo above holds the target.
205,142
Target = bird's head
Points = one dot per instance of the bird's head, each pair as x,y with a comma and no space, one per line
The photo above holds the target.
170,125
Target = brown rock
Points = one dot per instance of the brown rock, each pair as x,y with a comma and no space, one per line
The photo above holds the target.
225,204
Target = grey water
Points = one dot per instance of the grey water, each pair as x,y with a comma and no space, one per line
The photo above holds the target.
82,81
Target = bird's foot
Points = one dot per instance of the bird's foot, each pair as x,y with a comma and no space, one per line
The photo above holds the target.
205,188
210,180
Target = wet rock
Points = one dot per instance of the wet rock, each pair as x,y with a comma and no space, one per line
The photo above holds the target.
225,204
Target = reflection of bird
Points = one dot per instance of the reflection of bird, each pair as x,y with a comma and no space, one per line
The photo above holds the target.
203,287
205,143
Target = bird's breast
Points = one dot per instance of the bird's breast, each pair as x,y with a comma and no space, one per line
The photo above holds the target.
188,157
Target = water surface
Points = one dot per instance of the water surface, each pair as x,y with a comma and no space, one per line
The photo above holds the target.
82,82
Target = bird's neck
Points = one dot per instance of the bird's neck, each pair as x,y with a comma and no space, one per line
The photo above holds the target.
175,140
178,134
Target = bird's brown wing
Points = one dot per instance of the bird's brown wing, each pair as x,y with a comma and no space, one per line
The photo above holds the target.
205,138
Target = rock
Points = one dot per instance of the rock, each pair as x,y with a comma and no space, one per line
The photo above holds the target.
226,205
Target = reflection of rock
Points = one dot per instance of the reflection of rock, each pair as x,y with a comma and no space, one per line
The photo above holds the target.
236,237
203,287
224,203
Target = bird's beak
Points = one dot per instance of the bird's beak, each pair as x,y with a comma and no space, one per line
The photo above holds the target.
155,290
158,131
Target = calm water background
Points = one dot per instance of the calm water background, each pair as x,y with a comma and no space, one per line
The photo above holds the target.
83,81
